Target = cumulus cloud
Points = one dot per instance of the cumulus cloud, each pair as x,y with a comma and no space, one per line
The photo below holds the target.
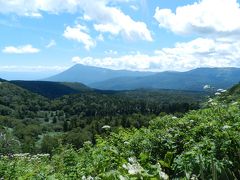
25,49
107,18
201,52
113,20
79,33
205,17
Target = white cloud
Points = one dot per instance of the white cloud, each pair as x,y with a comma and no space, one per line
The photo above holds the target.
39,68
20,7
201,52
52,43
112,20
205,17
106,16
26,49
79,33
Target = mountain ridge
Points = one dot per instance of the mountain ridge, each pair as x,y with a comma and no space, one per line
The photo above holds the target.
108,79
90,74
189,80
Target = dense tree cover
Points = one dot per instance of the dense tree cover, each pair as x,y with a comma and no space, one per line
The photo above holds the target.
202,144
36,122
20,103
52,89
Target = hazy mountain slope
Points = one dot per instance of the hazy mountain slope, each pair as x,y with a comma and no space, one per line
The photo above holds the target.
190,80
90,74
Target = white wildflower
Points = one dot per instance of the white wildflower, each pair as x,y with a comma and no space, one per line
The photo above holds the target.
126,143
34,157
206,87
43,155
87,143
210,100
163,175
214,104
122,177
194,177
234,103
106,127
226,127
221,90
87,178
133,167
21,155
132,160
174,117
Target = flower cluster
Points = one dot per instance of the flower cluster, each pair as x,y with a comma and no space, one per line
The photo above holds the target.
106,127
133,167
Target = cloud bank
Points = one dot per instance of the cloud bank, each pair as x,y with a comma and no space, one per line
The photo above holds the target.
201,52
216,24
106,17
205,17
25,49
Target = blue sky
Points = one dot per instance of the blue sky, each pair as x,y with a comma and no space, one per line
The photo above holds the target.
44,37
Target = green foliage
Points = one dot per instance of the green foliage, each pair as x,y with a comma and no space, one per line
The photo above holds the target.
203,144
80,117
127,135
49,143
52,89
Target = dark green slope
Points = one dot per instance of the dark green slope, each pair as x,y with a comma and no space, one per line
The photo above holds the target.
190,80
52,89
15,100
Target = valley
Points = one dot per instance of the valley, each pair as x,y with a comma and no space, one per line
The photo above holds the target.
119,90
77,113
157,131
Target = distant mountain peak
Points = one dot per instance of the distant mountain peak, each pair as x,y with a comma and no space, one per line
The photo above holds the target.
91,74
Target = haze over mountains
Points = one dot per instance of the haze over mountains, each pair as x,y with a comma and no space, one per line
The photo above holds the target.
107,79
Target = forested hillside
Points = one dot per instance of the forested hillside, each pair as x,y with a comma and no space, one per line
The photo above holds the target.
137,143
52,89
35,121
